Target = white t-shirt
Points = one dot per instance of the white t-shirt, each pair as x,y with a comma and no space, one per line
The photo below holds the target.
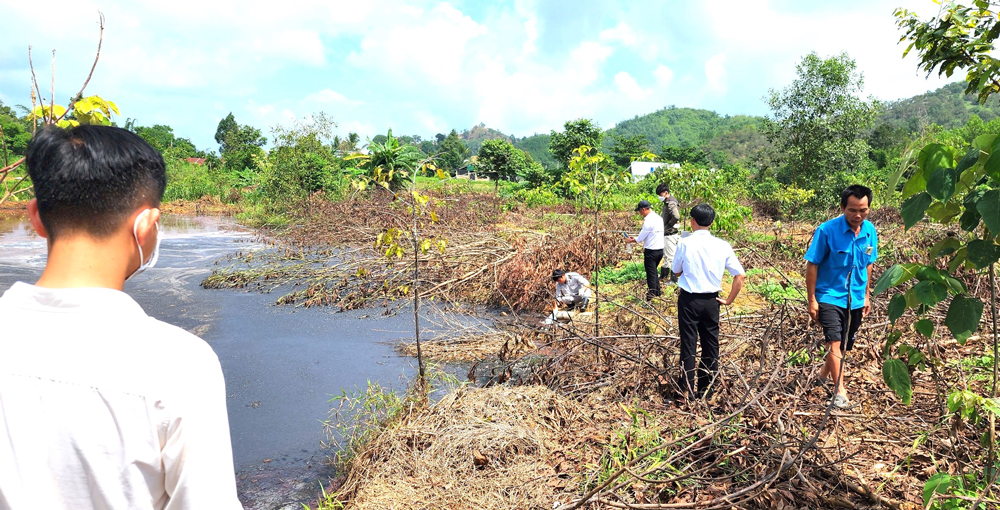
651,235
104,407
701,258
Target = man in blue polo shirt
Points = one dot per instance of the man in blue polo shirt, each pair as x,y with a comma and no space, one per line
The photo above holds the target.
838,272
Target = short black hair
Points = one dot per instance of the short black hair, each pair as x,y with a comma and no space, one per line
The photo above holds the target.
703,215
857,191
557,274
91,178
660,188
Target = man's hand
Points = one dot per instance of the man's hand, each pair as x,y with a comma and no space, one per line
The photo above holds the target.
814,310
726,302
629,239
867,308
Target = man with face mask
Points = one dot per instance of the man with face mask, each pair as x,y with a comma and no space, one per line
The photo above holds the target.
102,406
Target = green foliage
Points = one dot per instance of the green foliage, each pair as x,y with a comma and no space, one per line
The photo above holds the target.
537,146
577,133
628,272
736,136
499,157
240,146
452,152
359,416
186,181
817,122
722,189
959,37
627,149
389,163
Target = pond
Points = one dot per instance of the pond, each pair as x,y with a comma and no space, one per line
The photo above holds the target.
281,364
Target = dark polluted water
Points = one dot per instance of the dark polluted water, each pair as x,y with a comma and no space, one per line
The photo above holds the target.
281,364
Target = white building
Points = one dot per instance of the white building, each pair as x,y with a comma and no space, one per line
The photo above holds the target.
640,169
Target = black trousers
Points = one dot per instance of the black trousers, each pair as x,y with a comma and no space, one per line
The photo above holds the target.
698,316
651,260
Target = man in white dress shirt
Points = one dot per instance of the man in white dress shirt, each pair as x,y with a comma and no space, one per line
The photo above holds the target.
102,406
699,262
651,237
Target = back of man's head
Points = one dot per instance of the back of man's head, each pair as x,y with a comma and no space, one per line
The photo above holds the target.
662,188
703,215
90,179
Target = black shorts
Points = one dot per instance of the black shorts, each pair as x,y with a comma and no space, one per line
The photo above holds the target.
833,319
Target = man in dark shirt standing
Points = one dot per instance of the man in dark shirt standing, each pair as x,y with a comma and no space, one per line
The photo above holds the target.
671,221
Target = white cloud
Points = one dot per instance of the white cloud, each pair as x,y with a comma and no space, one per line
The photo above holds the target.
620,33
715,72
664,75
330,97
628,86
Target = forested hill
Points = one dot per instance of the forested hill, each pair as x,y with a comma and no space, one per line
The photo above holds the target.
680,127
947,107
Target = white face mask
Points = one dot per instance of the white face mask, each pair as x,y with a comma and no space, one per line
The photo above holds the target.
661,197
156,250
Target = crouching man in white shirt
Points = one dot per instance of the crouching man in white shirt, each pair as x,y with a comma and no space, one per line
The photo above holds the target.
102,406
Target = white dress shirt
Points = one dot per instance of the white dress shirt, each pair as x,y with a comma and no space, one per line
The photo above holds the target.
701,258
104,407
651,235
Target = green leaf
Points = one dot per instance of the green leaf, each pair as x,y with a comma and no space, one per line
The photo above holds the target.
983,142
938,483
888,279
989,209
914,207
912,301
897,378
968,161
915,184
954,285
992,165
941,183
944,213
946,246
924,327
897,305
934,157
969,220
958,259
930,273
930,292
983,253
963,317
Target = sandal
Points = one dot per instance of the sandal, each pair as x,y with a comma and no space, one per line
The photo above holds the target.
841,402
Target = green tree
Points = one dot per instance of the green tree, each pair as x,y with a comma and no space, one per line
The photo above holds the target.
240,146
818,119
627,149
389,163
452,152
687,154
959,37
501,158
576,133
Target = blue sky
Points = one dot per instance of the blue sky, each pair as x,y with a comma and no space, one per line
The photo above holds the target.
424,67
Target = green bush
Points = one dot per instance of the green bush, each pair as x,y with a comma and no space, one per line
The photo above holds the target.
186,181
628,272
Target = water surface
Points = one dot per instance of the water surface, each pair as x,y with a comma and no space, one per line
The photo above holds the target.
281,364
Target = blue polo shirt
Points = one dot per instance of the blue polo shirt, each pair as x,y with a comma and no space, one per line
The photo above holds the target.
835,249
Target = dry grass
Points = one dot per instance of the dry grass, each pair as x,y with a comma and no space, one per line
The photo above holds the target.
476,448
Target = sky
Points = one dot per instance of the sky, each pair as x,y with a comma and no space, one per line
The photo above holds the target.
426,67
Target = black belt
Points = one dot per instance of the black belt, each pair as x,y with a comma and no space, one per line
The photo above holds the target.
700,294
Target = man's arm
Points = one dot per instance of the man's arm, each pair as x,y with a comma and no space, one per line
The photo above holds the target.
733,292
812,270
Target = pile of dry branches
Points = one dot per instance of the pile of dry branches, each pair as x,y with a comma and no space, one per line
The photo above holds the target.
486,258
